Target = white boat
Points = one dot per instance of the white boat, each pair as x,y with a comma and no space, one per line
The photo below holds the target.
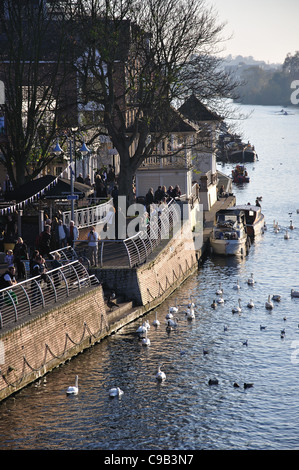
254,219
229,235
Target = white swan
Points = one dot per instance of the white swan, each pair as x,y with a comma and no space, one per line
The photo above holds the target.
220,290
115,392
269,305
237,309
191,304
250,280
160,376
286,235
291,227
146,341
220,300
156,321
250,304
169,315
172,322
174,309
237,286
142,329
190,314
73,389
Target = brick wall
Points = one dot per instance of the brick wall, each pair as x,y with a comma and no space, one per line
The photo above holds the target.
30,350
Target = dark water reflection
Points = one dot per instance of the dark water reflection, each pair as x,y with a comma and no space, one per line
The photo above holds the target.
185,412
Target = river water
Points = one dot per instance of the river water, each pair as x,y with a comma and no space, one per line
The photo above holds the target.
184,412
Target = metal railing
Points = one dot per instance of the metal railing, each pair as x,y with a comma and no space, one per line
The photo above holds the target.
39,292
88,216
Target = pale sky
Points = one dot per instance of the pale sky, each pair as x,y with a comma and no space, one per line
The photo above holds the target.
264,29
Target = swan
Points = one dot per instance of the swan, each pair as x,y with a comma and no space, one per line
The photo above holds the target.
220,290
115,392
160,376
190,314
169,315
250,304
73,389
156,321
214,304
220,300
146,340
269,305
172,322
237,286
142,329
237,309
174,309
286,235
250,280
191,304
291,227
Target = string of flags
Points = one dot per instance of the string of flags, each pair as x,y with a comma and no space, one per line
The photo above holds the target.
22,204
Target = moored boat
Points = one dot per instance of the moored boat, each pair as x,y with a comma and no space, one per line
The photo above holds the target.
229,235
254,219
240,175
241,152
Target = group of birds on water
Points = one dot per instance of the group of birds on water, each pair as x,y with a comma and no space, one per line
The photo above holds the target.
172,322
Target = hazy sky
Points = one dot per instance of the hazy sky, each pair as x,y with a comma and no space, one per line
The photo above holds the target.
264,29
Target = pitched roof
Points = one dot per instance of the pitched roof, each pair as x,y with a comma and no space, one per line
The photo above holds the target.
195,111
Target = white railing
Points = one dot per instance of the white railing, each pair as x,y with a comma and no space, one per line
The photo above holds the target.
88,216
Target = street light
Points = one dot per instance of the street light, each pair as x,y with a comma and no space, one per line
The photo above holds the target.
84,151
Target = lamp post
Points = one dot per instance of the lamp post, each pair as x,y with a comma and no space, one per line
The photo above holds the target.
58,150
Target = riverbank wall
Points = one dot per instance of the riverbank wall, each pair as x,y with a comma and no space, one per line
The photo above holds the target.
34,347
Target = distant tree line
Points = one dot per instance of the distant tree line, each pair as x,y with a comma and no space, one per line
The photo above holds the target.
269,86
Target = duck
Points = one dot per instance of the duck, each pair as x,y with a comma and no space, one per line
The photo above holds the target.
294,293
269,305
214,304
262,327
237,286
73,389
191,304
250,304
205,351
220,290
225,328
245,342
115,392
247,385
250,280
237,309
276,298
160,376
156,321
190,314
213,382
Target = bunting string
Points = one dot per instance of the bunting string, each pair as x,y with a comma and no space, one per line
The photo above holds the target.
35,197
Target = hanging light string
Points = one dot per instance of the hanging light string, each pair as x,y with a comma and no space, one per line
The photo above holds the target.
35,197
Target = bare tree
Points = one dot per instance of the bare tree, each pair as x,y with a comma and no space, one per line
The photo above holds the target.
35,66
140,57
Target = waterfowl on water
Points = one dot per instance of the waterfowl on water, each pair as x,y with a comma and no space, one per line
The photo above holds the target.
172,322
220,300
269,305
174,309
291,227
220,290
214,304
156,321
246,385
115,392
237,286
237,309
250,304
73,389
190,314
213,382
250,280
276,297
191,304
146,340
286,235
160,376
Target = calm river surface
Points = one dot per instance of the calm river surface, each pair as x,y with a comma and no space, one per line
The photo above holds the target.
185,413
